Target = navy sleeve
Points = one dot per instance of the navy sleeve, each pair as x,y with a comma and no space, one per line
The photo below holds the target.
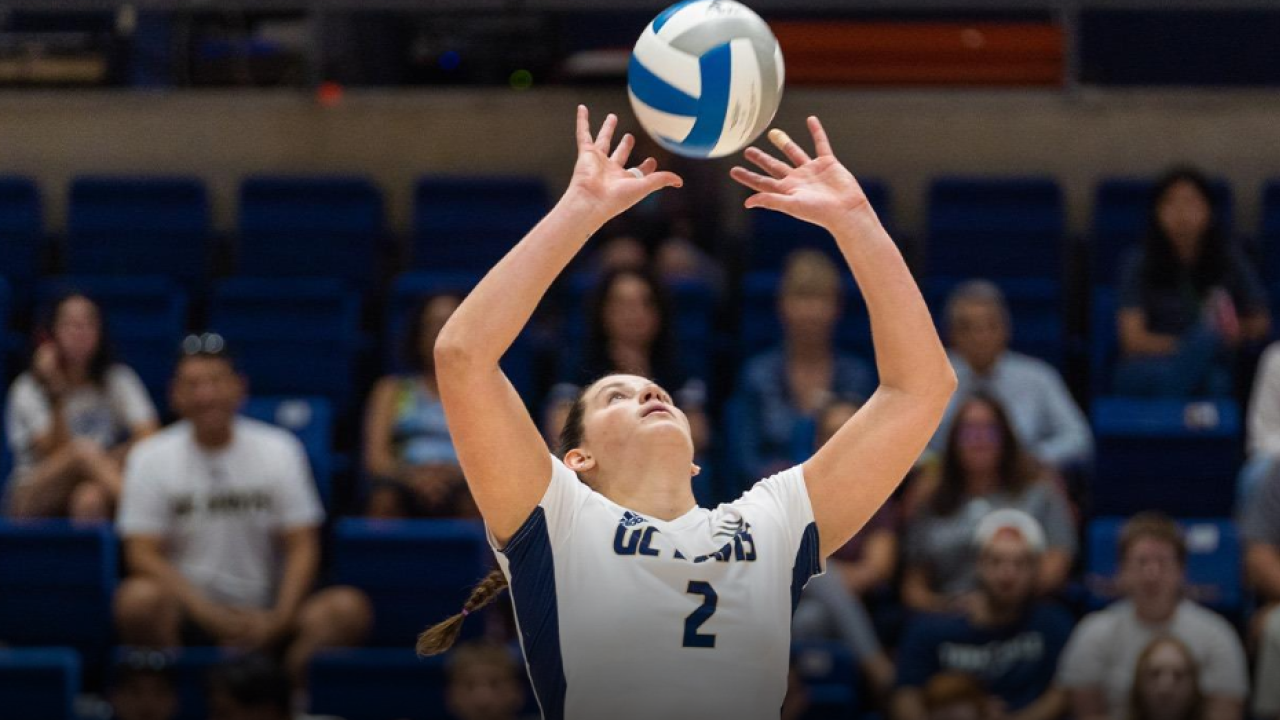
1057,632
918,653
1247,290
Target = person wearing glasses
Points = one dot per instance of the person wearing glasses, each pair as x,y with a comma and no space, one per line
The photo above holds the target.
221,526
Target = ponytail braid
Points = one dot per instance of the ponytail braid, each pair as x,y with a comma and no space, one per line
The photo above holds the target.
441,636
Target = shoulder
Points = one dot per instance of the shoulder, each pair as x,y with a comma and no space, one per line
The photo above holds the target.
1197,616
165,444
266,435
24,386
936,627
1052,615
1102,625
1029,367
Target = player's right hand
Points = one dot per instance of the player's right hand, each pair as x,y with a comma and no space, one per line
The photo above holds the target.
602,179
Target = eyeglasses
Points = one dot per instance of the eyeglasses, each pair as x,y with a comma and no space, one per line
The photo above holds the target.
204,344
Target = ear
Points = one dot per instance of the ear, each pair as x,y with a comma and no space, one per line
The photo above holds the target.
696,469
579,460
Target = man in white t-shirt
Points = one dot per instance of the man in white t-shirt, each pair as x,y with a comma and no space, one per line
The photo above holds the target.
1097,667
220,520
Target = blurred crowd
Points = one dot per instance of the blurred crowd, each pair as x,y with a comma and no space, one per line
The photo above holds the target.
960,600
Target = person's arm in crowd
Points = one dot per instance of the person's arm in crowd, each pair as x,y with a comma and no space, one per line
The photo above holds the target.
916,593
379,457
1262,564
1088,703
1070,439
1137,340
1255,326
1221,707
301,547
875,567
145,557
908,704
1055,567
1049,706
1264,405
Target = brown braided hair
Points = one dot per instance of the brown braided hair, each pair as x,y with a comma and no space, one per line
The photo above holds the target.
441,636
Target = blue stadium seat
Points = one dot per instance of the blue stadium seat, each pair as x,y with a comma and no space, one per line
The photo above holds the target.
311,419
57,581
775,235
469,223
145,317
761,327
275,327
191,669
378,683
996,228
39,683
416,572
311,227
138,226
21,234
692,308
408,291
1214,561
1171,455
1120,217
829,673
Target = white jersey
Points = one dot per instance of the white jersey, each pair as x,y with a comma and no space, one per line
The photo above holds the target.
623,616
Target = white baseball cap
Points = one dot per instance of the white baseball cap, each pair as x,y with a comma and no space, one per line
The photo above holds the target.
1008,520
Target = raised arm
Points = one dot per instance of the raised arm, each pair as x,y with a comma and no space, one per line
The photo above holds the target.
853,474
499,447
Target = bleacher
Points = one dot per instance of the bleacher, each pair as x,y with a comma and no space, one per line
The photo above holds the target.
313,280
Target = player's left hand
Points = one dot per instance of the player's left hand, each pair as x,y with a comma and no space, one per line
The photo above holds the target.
818,190
601,176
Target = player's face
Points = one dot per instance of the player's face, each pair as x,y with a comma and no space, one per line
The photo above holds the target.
1007,570
1166,682
810,316
1184,215
980,442
207,391
623,408
484,692
978,332
1152,575
77,330
631,312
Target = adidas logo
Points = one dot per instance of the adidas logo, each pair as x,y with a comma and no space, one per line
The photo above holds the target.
630,519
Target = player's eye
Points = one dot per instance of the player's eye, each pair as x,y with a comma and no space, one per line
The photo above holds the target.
615,395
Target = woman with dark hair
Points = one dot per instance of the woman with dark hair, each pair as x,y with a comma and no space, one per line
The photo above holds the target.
1187,298
408,454
631,600
72,417
983,469
1166,683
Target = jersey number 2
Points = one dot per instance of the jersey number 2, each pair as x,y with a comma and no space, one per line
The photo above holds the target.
693,638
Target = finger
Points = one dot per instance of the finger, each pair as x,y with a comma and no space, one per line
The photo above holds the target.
658,180
584,126
755,181
623,151
768,163
648,166
605,138
821,144
783,142
770,201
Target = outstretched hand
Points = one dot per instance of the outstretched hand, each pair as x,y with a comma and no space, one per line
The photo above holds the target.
818,190
603,178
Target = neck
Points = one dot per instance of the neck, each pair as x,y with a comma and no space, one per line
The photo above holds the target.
1155,613
213,438
993,614
981,482
655,486
810,350
983,368
77,374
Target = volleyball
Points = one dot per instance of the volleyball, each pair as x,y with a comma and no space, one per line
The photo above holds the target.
706,77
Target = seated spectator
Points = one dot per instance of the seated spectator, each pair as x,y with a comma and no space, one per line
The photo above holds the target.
250,687
1166,683
1260,530
1263,426
831,606
1187,298
408,454
1007,639
789,384
1098,666
72,417
221,527
630,330
983,468
485,683
144,687
957,696
1048,421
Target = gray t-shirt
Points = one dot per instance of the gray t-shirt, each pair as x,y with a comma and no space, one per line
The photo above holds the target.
103,414
1260,518
943,545
1103,652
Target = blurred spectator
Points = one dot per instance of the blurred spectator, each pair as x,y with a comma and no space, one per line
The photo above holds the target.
1263,426
1260,529
1048,422
796,703
408,454
831,606
250,687
1006,638
1187,298
71,418
144,687
983,468
485,683
678,259
1099,663
784,386
621,252
220,520
631,330
956,696
1166,683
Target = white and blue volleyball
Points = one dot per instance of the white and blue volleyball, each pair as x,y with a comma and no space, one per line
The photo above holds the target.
706,77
